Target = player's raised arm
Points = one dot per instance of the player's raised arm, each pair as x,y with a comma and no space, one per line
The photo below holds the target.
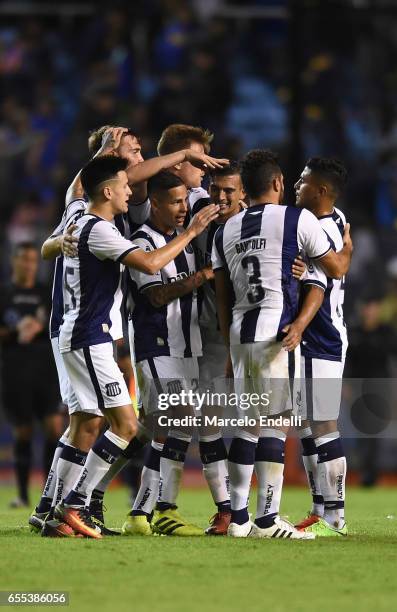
143,171
336,265
152,262
316,245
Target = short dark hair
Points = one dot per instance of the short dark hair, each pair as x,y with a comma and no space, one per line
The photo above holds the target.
330,169
180,136
100,169
232,169
95,137
24,246
258,168
161,182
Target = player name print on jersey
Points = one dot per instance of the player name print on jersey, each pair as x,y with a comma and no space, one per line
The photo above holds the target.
258,247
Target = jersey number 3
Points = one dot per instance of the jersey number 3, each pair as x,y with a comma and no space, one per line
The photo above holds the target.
257,292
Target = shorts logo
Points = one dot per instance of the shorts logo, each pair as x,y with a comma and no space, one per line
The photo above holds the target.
174,386
112,389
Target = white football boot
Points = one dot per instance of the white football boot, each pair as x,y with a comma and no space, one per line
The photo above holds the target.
240,531
280,529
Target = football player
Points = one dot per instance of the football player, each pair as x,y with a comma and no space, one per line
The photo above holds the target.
92,296
323,351
167,345
253,255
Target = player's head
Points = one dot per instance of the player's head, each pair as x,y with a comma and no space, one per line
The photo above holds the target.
262,177
105,181
25,262
129,149
178,136
226,190
321,182
168,200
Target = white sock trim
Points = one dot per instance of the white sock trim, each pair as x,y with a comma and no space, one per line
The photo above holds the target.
306,432
179,435
211,438
246,435
327,438
120,442
272,433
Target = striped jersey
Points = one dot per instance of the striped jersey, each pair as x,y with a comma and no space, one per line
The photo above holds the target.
137,215
196,197
203,244
171,329
326,336
72,212
92,292
257,247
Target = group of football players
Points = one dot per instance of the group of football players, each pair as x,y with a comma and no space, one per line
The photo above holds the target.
229,284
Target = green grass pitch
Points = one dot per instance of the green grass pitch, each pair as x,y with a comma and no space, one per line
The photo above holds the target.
212,574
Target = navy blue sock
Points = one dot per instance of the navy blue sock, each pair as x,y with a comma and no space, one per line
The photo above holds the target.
266,521
152,462
172,458
223,506
212,451
241,463
133,448
240,516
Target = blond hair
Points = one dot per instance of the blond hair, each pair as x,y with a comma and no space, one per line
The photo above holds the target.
95,139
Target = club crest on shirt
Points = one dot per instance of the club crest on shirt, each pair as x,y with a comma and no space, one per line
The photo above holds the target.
189,248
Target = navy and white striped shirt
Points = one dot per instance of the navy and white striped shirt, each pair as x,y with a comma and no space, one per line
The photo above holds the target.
73,211
172,329
326,336
203,244
258,247
92,285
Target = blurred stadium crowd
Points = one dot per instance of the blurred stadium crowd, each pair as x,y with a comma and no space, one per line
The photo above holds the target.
304,78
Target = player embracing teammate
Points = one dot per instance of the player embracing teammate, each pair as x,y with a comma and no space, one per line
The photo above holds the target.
253,255
263,330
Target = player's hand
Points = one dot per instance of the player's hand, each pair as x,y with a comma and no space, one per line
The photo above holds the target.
208,272
202,160
243,204
293,337
69,242
111,141
347,241
203,218
298,268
